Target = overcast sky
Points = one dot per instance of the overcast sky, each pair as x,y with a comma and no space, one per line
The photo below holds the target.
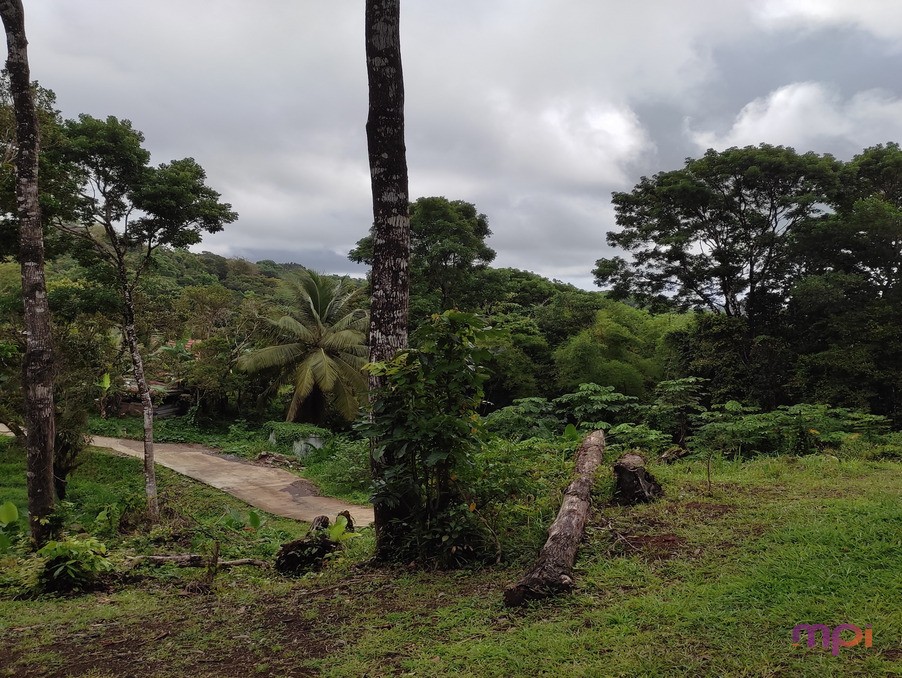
534,110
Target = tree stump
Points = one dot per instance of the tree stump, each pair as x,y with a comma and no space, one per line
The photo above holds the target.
553,571
350,526
634,484
309,553
319,523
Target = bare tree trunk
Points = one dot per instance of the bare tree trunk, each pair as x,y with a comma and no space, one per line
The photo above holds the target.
131,339
553,571
390,276
37,368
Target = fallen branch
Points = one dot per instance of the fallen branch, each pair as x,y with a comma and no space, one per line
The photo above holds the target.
193,560
553,571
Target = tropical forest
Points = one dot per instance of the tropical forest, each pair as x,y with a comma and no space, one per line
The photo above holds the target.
212,466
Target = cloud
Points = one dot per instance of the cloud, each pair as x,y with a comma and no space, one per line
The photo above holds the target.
532,109
811,116
882,18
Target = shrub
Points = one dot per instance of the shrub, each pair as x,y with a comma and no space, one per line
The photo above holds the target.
72,564
341,468
801,429
887,447
526,418
592,406
625,437
425,429
516,489
9,525
290,437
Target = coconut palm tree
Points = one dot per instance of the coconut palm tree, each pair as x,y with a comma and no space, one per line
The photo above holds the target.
320,350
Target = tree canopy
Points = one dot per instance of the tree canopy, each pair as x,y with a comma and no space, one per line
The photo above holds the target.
714,235
447,242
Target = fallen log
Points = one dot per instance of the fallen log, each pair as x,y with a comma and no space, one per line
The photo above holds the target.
633,483
192,560
553,571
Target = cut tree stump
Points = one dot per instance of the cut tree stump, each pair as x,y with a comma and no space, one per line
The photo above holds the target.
633,483
553,571
304,555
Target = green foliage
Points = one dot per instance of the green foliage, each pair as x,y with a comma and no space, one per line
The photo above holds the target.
627,436
623,349
9,525
338,531
526,418
285,434
519,359
741,431
516,490
735,363
72,564
425,429
887,447
714,235
341,468
239,520
176,203
592,406
447,241
677,403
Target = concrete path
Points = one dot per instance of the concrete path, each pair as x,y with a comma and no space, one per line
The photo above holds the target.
272,489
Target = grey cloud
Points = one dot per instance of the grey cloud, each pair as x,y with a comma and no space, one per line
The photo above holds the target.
534,110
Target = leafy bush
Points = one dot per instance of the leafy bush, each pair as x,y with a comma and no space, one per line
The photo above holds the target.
887,447
800,429
72,564
516,489
425,429
592,406
629,436
526,418
286,436
341,468
9,525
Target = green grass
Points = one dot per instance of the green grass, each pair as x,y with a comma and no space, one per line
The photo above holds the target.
693,585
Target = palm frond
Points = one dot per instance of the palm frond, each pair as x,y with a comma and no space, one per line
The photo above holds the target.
271,356
343,340
345,401
324,370
352,373
303,386
358,319
326,348
295,328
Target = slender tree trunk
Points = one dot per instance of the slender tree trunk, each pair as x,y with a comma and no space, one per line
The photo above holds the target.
131,339
37,368
390,276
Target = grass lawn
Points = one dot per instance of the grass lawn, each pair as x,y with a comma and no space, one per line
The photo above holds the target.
694,585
